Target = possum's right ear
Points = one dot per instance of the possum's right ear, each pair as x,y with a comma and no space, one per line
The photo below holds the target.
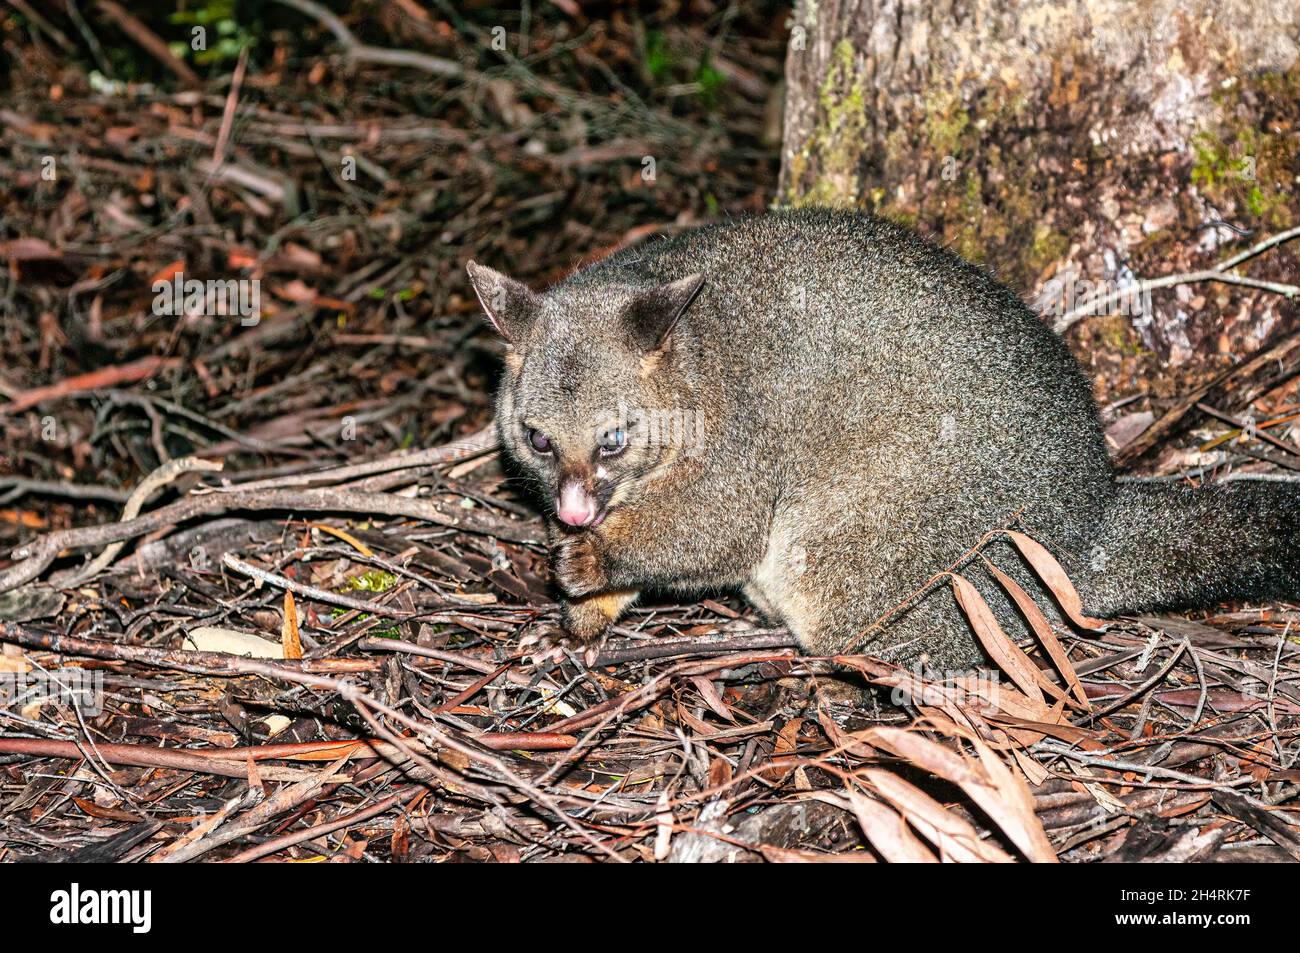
509,305
653,314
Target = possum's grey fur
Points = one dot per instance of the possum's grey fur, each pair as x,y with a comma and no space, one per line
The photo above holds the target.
869,406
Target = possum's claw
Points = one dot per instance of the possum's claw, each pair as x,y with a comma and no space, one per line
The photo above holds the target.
546,649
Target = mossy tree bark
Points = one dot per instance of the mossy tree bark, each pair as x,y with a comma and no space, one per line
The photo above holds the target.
1053,137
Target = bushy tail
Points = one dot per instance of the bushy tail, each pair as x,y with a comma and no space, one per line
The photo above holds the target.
1172,547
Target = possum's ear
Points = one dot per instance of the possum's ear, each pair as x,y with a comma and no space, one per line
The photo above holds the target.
653,314
509,305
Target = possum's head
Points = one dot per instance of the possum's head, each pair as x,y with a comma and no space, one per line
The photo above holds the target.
596,383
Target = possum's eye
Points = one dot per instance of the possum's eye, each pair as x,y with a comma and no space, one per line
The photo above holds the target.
539,441
612,442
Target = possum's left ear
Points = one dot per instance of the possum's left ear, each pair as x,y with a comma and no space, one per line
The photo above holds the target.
509,305
653,314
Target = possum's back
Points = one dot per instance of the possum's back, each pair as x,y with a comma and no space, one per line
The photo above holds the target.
857,315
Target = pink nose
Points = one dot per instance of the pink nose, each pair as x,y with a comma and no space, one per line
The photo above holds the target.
575,506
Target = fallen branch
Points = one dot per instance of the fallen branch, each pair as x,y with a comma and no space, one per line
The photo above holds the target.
285,841
364,704
1271,823
480,442
216,832
92,380
151,42
1243,427
165,474
359,52
35,557
180,660
228,113
1219,272
21,486
148,756
312,592
1174,419
616,652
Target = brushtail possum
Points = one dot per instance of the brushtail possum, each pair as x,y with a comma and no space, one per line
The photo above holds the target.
824,410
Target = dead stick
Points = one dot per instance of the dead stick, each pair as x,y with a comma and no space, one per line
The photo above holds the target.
443,737
145,756
312,592
443,612
477,443
1253,430
57,35
181,660
36,556
285,841
1175,419
1220,272
228,113
150,41
285,799
363,53
92,380
639,650
219,664
160,477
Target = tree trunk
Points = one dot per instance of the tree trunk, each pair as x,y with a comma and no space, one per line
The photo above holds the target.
1066,144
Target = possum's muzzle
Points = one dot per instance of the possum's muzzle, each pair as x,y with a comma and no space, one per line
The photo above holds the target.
579,505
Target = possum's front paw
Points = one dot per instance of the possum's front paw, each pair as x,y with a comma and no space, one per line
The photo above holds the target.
576,564
549,648
586,626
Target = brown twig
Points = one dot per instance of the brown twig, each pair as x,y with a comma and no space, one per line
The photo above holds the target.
359,52
285,841
1175,418
105,377
151,42
36,557
1219,272
620,651
228,113
180,660
147,756
1247,428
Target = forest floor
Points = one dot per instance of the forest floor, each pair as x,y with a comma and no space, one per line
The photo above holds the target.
311,653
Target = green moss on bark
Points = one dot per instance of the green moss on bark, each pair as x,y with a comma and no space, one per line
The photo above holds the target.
1247,161
836,148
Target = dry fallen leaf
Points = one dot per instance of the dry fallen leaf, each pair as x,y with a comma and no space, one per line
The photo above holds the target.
955,838
289,639
211,638
1043,629
888,832
1055,578
1001,649
1003,797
